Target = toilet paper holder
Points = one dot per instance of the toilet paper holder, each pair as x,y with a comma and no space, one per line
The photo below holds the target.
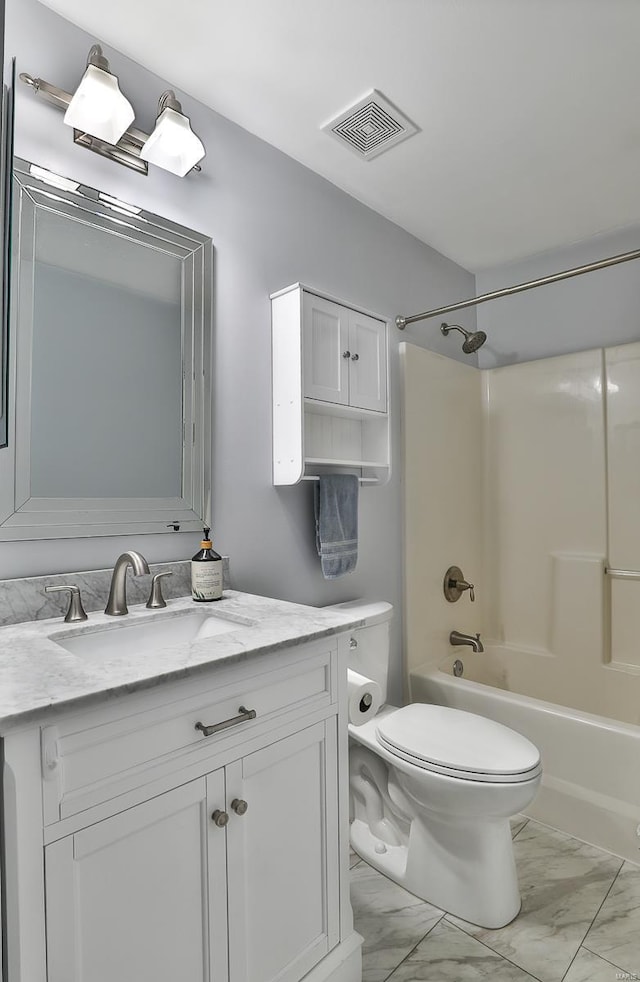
364,697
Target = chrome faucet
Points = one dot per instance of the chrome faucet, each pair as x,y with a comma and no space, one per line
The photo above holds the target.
117,602
473,640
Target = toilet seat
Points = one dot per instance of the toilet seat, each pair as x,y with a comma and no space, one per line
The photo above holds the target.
458,744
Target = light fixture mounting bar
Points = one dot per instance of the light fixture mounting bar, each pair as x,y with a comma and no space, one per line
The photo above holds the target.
126,151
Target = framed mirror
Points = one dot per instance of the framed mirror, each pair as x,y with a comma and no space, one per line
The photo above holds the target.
109,408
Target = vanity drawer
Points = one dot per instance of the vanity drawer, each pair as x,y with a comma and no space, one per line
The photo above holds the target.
89,759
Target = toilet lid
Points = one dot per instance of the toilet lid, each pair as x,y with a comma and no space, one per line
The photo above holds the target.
458,743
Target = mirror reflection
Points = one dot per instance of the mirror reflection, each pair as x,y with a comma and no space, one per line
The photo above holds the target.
106,365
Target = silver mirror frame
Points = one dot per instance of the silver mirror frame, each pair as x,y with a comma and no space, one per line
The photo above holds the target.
25,517
6,157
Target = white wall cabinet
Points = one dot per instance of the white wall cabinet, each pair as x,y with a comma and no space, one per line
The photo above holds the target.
330,388
345,355
169,854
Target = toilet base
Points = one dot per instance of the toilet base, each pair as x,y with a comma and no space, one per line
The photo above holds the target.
464,868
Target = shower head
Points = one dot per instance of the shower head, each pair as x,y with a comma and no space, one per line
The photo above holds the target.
472,339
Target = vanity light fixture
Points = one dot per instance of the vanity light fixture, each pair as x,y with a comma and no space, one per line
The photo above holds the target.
173,145
98,107
101,118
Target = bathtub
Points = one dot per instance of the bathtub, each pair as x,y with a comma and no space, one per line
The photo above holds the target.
591,764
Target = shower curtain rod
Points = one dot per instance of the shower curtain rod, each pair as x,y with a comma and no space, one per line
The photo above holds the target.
624,257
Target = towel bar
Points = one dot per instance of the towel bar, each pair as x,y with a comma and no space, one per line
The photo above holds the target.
622,574
362,480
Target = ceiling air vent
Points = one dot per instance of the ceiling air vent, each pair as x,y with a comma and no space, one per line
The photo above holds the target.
371,126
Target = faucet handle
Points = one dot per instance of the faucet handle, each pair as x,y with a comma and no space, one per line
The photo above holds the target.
155,597
455,585
463,585
75,611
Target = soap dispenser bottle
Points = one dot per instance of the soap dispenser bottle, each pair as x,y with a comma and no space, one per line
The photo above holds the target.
206,572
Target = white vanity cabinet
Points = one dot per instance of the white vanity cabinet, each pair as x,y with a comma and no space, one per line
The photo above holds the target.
139,847
159,873
282,858
330,388
128,897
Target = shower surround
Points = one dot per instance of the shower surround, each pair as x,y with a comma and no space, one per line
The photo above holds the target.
528,477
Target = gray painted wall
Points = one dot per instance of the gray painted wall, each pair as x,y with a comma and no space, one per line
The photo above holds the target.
589,311
273,222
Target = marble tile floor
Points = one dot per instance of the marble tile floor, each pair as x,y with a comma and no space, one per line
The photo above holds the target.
579,922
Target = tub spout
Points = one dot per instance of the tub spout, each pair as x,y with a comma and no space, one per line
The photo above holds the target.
473,640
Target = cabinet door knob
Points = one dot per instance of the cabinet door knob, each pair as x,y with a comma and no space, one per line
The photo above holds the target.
220,818
346,354
355,357
239,806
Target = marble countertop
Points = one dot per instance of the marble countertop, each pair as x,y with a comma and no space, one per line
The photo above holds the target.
38,675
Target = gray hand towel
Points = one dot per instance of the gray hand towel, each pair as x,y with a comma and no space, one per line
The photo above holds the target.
336,510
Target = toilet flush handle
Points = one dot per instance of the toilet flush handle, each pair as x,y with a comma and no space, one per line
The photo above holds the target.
352,644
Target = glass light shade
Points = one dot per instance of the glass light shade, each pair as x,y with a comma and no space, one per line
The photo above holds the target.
99,107
173,145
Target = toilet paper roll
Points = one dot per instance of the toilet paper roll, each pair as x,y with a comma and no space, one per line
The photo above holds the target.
365,698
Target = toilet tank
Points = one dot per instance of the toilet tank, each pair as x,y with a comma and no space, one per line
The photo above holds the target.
369,655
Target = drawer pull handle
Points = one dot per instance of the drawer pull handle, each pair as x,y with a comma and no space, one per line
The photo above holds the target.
239,806
242,717
220,818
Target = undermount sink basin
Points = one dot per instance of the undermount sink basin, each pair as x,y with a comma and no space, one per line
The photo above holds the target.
148,636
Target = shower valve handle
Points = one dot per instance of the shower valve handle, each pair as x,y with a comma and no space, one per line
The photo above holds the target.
463,585
455,585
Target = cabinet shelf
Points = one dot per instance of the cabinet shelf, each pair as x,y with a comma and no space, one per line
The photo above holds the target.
346,412
341,462
330,405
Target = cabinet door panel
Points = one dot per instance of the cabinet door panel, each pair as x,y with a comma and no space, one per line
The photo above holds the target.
127,898
283,862
368,374
326,337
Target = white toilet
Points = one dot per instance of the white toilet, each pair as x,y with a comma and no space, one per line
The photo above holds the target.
432,790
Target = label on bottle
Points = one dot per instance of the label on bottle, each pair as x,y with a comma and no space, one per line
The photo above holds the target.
206,580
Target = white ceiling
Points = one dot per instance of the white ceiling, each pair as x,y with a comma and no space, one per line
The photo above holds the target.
529,110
